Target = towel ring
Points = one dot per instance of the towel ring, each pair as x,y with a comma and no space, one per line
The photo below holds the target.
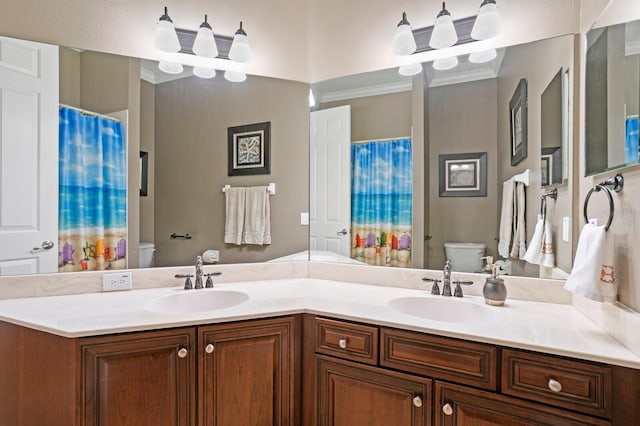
607,191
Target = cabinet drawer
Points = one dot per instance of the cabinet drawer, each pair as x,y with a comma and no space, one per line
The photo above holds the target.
346,340
440,357
556,381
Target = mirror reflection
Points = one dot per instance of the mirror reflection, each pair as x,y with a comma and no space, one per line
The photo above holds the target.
612,97
460,131
178,124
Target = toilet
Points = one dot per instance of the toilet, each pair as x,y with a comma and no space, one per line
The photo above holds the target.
465,257
146,254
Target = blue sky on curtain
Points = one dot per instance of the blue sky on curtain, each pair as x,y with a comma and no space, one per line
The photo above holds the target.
381,202
92,192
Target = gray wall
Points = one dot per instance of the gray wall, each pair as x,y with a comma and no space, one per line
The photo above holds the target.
191,120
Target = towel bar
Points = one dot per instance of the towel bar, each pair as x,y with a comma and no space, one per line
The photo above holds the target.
271,188
616,183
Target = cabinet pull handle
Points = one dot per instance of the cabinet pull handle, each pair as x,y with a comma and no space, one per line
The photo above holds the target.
555,385
417,401
209,348
182,353
447,410
342,343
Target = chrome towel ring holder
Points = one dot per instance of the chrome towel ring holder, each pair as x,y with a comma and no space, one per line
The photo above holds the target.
615,183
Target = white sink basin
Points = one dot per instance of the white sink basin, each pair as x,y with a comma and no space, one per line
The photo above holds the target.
446,309
196,301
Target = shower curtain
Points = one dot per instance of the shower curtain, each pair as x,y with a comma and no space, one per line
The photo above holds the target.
92,192
381,202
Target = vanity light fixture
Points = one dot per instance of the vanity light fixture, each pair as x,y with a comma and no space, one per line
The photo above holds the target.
240,50
205,44
403,43
165,37
410,69
204,72
444,64
482,57
170,67
235,76
488,23
444,32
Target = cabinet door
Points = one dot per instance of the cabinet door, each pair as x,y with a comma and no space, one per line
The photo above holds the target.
139,379
462,406
246,373
351,394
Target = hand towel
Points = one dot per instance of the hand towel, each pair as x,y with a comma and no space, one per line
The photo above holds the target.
540,251
235,211
593,275
257,217
519,247
506,218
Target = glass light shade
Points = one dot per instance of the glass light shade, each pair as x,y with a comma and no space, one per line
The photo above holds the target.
205,44
312,99
444,64
165,37
204,72
444,33
403,42
240,50
482,57
235,76
170,67
410,69
488,23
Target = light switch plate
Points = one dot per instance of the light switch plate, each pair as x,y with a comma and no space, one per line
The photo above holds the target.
566,226
304,218
119,281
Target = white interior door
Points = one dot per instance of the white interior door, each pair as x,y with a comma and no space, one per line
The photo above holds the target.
28,157
330,192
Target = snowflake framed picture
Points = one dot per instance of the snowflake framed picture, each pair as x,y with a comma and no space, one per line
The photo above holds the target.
249,149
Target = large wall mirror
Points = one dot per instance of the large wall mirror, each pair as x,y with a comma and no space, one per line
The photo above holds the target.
177,123
437,149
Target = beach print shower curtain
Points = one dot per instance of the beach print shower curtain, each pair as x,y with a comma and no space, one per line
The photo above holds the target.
92,193
381,202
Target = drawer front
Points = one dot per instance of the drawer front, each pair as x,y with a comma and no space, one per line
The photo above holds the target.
440,357
342,339
556,381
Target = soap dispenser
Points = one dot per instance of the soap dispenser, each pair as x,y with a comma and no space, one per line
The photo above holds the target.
494,290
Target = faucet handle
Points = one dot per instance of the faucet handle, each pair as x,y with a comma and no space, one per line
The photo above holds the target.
188,285
458,291
209,283
435,290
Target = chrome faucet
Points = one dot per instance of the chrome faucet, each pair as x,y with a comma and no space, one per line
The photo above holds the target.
446,279
199,272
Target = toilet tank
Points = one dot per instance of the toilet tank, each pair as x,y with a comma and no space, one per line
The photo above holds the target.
465,257
146,254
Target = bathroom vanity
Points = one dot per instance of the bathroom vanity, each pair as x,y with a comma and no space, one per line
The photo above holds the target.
307,352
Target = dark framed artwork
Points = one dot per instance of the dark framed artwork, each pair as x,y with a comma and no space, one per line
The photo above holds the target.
144,172
518,123
249,149
463,175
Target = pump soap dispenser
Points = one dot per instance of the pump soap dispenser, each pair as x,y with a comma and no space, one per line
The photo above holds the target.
494,290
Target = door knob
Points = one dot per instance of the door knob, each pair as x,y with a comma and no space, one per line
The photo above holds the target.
46,245
555,386
209,348
417,401
182,353
447,409
342,343
343,232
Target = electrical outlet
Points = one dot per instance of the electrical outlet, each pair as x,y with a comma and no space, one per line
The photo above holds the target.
120,281
566,226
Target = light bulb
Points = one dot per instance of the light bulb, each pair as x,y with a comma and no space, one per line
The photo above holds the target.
165,37
444,32
235,76
205,44
170,67
488,23
403,42
482,57
444,64
204,72
240,50
410,69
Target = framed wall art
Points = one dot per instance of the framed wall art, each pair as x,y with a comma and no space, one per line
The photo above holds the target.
144,172
518,122
463,175
249,149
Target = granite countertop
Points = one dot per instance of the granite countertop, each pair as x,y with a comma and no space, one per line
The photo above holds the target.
544,327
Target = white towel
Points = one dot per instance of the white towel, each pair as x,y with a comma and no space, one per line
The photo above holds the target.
257,217
540,251
506,218
519,247
235,211
593,275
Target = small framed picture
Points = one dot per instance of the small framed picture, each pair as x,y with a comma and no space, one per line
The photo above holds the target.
463,175
249,149
518,122
144,172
